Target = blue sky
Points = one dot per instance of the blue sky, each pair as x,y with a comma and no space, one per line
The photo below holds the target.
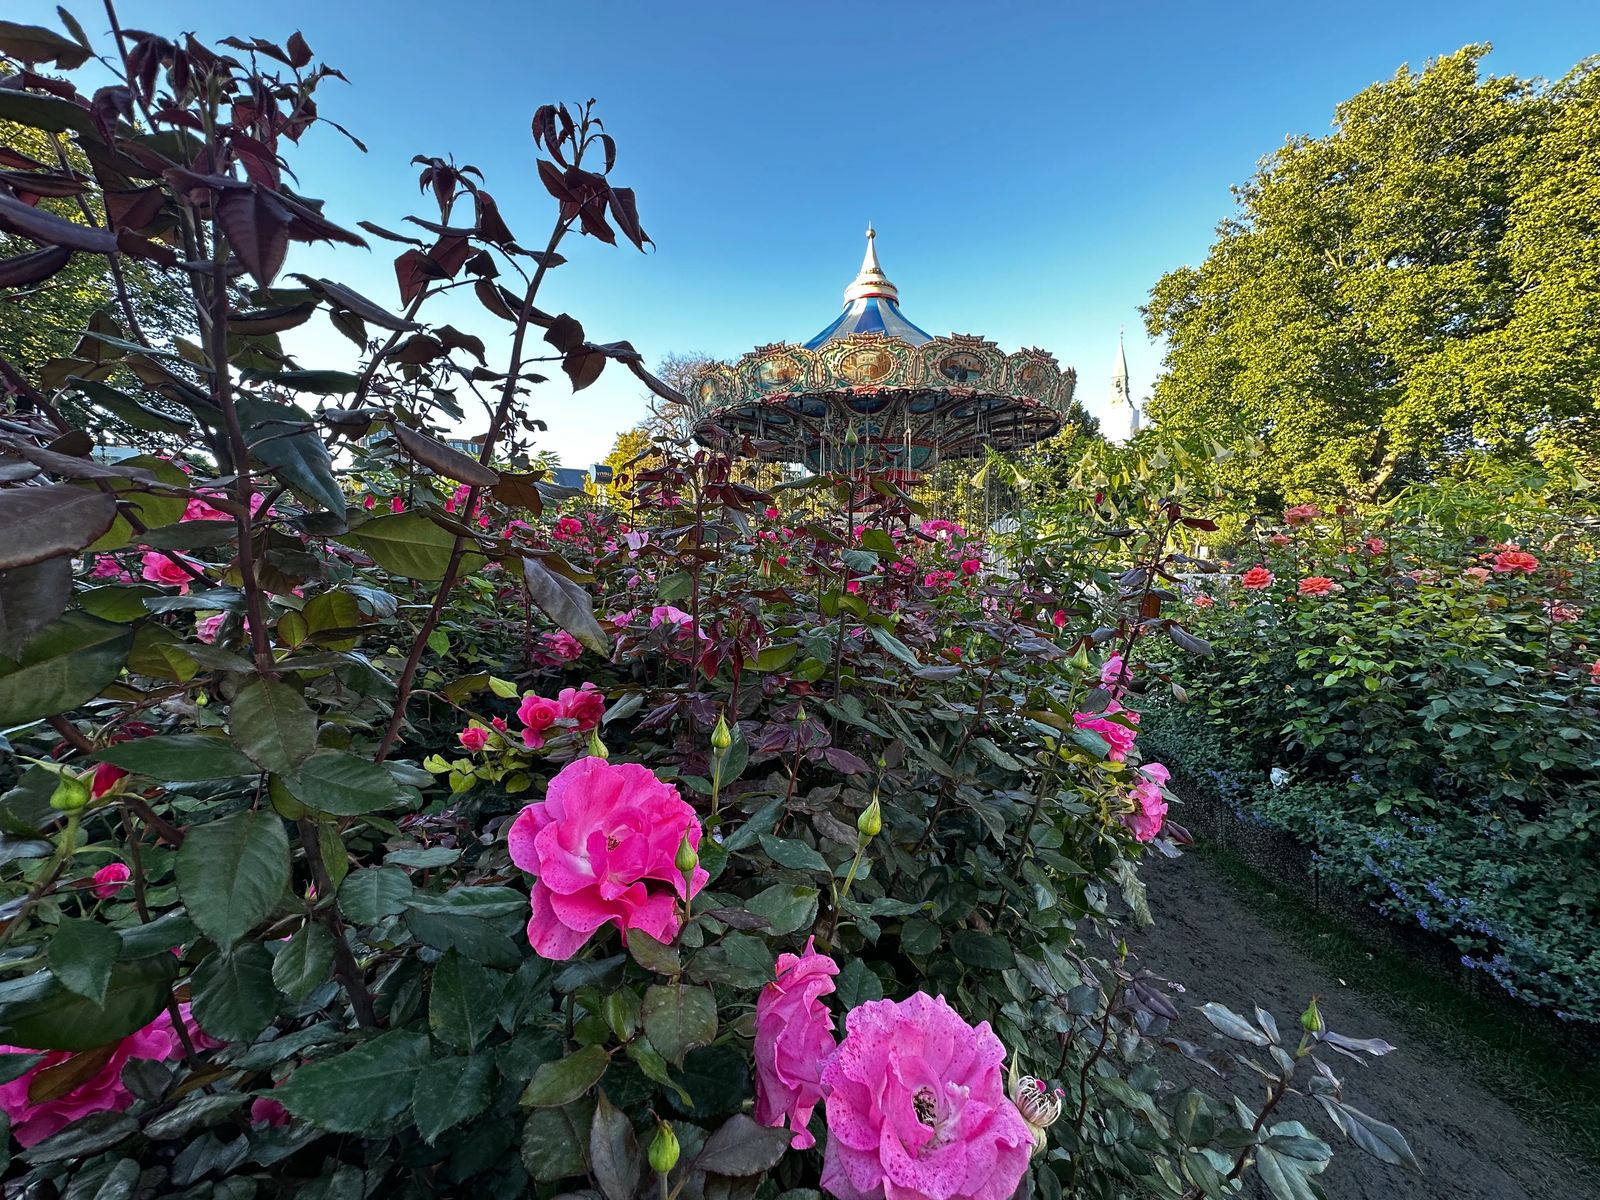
1032,168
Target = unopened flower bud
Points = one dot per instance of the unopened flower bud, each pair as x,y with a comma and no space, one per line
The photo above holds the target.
597,748
688,858
800,715
721,735
851,437
1311,1019
663,1149
870,823
71,793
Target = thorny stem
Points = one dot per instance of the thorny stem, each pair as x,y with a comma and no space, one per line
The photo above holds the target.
344,962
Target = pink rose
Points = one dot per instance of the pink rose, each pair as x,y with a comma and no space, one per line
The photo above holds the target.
474,738
971,566
266,1111
537,715
585,705
109,880
106,567
602,846
1151,805
369,502
164,569
676,618
853,586
1114,675
397,505
794,1038
1117,735
1376,545
32,1121
1201,600
1302,514
207,628
561,647
917,1108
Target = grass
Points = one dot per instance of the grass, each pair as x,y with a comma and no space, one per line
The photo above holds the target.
1551,1083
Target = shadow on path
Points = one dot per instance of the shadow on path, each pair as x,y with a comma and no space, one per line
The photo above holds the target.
1472,1146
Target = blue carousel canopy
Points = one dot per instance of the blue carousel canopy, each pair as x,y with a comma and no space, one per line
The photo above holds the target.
871,305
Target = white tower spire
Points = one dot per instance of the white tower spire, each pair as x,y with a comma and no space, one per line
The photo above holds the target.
1120,392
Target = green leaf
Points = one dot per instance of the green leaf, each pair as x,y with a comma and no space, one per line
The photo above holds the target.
894,646
369,895
742,1148
450,1091
67,662
156,937
555,1141
982,950
614,1157
37,1013
653,955
272,725
81,956
489,941
233,872
919,936
464,1001
795,855
856,984
234,998
787,906
45,522
362,1089
410,544
482,902
84,1138
565,603
197,1110
1384,1142
30,598
559,1083
1231,1024
678,1017
334,781
187,757
283,438
132,410
305,961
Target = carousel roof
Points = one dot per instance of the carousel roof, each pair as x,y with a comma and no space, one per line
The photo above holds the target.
911,398
871,305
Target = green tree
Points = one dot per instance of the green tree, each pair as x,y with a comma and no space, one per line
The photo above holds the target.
1417,288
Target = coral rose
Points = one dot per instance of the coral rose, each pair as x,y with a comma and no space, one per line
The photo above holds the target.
603,846
1509,562
1314,585
1257,578
34,1120
1201,600
1301,514
794,1038
917,1108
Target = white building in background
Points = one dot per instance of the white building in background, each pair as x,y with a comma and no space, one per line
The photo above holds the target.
1121,394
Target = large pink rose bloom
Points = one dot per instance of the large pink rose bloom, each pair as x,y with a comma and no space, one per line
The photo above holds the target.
602,845
917,1108
1150,812
33,1122
794,1037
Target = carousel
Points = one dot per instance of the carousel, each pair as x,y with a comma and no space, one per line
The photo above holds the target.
873,393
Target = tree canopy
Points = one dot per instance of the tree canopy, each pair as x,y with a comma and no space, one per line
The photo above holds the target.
1417,288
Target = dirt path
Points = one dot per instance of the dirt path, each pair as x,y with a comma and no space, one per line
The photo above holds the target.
1472,1146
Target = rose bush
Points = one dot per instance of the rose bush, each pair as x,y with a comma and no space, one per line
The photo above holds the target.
1427,689
439,932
